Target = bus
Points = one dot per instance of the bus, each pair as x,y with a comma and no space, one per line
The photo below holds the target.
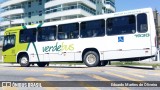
96,40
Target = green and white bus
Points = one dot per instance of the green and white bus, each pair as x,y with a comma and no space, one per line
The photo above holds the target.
95,40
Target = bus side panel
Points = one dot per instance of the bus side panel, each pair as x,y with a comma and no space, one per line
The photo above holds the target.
65,51
131,47
52,51
111,55
34,54
87,43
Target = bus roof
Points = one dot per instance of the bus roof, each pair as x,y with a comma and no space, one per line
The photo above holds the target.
103,16
20,27
14,28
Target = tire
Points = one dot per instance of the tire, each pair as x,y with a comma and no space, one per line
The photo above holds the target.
103,63
47,63
24,61
41,64
91,59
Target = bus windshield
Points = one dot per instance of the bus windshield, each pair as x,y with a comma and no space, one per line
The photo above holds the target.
9,42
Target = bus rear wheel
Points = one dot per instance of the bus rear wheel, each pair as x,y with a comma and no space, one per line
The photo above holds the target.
42,64
24,61
91,59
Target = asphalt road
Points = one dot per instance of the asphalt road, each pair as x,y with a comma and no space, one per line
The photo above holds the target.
88,78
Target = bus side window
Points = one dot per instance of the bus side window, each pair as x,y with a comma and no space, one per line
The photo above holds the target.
121,25
68,31
95,28
27,35
47,33
142,24
109,26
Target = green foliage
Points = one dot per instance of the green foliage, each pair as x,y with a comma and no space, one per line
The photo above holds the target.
124,63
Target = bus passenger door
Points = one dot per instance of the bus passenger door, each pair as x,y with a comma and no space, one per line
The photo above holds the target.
9,48
143,35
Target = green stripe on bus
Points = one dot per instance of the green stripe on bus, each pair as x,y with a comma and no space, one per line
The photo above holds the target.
24,27
36,51
40,25
28,46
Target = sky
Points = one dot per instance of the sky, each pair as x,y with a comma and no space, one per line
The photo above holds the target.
123,5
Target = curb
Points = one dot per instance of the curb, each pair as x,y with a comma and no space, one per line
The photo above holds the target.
75,65
67,65
138,67
56,65
143,67
157,68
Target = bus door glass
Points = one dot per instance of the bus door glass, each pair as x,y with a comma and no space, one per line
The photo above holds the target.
9,47
143,33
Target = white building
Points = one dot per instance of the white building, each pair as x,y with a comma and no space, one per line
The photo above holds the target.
26,12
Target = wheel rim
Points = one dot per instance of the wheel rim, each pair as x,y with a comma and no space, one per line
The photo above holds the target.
24,60
91,59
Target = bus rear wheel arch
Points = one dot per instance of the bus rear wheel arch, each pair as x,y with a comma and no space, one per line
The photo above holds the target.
91,58
23,60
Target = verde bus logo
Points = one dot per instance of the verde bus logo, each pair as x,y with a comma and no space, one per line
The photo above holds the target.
59,47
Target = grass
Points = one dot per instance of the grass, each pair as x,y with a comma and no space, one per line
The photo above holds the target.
126,63
156,65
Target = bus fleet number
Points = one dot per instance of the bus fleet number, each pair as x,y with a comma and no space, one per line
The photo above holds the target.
142,35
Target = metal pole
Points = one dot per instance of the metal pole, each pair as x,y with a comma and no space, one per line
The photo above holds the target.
10,22
157,34
158,56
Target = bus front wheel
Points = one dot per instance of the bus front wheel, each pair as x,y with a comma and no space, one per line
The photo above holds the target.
91,59
24,61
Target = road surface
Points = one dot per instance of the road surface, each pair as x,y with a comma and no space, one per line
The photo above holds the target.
88,78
